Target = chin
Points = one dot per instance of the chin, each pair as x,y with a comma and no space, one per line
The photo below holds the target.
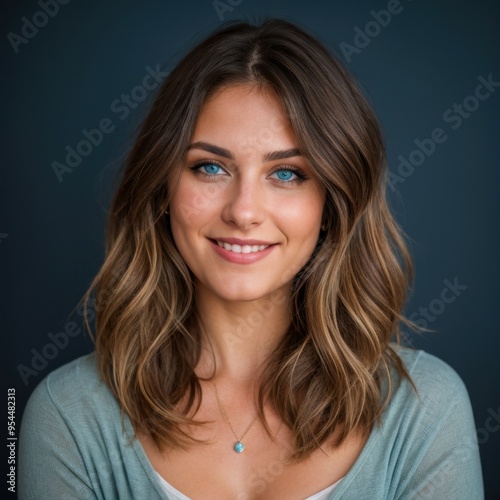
242,296
239,293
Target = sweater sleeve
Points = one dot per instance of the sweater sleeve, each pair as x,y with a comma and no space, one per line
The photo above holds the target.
447,464
50,463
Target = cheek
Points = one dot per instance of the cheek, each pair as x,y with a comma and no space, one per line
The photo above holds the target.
193,201
302,215
300,220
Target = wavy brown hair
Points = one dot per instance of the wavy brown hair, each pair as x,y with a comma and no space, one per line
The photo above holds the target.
327,372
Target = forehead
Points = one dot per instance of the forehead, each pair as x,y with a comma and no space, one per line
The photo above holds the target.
243,114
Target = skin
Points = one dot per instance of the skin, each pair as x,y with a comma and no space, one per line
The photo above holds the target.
244,308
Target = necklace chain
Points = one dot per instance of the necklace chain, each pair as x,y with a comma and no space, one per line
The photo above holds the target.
239,445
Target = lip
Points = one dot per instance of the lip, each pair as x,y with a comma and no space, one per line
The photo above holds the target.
238,241
241,258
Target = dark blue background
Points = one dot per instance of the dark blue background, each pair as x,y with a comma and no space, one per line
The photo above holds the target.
427,58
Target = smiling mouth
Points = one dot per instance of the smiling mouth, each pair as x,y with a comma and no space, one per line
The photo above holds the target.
241,248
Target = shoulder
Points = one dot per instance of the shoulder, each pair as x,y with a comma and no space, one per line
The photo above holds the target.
440,389
427,438
74,443
71,389
427,370
78,372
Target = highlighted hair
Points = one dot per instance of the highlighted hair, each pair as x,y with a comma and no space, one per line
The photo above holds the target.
326,376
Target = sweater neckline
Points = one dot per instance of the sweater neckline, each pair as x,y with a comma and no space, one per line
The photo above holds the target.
346,480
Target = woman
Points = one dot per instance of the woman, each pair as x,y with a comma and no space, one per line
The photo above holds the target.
252,285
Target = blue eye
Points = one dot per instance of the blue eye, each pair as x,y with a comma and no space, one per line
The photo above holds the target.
284,175
209,168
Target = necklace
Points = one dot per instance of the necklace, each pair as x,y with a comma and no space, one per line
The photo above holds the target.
239,446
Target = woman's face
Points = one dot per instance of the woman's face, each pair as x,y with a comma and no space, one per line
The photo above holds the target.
245,185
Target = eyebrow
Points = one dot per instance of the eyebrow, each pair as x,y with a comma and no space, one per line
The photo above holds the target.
271,156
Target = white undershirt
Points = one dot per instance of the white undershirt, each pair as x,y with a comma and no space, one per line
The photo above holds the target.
174,494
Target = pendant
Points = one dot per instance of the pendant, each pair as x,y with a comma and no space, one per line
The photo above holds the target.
239,447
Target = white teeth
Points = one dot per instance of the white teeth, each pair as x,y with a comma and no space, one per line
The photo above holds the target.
241,249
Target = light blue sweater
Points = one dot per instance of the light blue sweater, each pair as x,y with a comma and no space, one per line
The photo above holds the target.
71,444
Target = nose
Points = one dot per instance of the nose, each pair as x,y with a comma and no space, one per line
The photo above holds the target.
244,206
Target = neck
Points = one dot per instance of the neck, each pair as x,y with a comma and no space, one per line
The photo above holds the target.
241,334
